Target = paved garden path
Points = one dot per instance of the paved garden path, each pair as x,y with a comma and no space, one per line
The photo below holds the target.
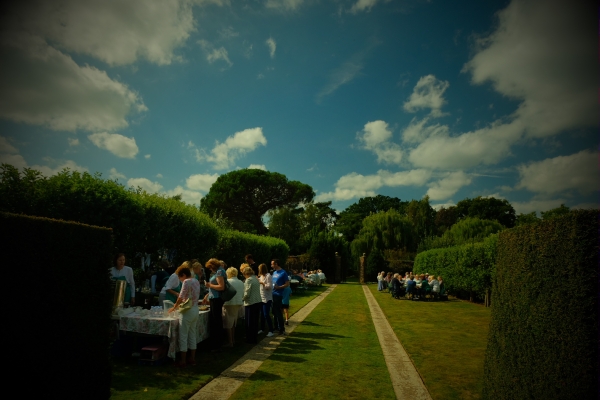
406,380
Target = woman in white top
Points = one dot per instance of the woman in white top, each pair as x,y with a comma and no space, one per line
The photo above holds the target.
266,293
121,272
232,307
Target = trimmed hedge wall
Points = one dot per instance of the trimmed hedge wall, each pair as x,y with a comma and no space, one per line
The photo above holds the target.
544,326
467,270
234,245
62,305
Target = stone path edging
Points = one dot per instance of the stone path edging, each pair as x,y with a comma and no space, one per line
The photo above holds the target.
223,386
406,380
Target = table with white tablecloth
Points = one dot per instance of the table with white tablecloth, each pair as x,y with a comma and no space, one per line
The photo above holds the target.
163,326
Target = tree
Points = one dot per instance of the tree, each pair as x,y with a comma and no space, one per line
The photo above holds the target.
246,195
487,208
319,215
422,217
284,224
524,219
445,218
350,220
375,263
468,230
555,212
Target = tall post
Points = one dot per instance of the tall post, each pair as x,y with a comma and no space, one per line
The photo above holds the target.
361,274
338,268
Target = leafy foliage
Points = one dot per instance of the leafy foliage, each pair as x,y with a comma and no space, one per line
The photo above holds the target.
350,220
234,245
467,270
469,230
555,212
445,218
245,196
324,247
544,326
422,217
487,208
524,219
375,263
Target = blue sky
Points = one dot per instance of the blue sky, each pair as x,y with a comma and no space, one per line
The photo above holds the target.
355,98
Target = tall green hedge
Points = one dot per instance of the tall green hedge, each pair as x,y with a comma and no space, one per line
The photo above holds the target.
57,291
234,245
544,327
467,270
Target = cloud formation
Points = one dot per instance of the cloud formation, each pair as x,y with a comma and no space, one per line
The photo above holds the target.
342,75
224,155
577,172
427,93
363,5
146,184
257,166
119,145
376,138
355,185
284,5
448,186
114,174
213,54
272,46
201,182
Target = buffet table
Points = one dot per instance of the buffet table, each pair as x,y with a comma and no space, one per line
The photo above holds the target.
161,326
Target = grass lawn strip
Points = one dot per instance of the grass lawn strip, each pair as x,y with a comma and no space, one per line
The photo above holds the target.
334,354
406,380
222,387
445,340
132,381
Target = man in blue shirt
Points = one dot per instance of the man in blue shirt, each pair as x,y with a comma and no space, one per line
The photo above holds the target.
280,282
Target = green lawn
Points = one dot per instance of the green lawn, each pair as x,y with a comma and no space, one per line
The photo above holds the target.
333,354
445,340
132,381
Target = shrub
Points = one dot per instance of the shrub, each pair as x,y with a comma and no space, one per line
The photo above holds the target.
544,324
65,304
234,245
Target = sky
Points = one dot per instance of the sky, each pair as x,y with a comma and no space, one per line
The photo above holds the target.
403,98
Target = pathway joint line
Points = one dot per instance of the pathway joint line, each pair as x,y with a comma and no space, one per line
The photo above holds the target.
406,380
226,384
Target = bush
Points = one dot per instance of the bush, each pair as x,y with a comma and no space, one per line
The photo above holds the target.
544,325
323,248
467,270
65,304
234,245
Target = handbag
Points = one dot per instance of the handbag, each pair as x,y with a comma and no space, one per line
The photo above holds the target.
185,305
228,293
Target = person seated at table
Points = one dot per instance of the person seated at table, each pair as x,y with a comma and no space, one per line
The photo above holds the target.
121,272
172,288
410,287
321,275
425,288
396,288
232,307
435,287
188,330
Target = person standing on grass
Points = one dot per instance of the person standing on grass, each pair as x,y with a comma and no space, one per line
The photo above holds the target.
281,280
232,307
266,293
216,285
252,303
285,303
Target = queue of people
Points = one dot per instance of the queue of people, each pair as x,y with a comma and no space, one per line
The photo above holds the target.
266,294
412,286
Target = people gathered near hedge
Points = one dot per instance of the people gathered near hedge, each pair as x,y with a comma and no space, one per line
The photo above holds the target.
412,286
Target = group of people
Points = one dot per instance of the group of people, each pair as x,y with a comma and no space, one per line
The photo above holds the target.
415,287
312,278
261,292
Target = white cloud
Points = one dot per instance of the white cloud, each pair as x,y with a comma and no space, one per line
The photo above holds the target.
46,87
363,5
119,145
201,182
375,137
342,75
228,33
73,142
213,54
447,204
448,186
223,155
159,175
272,46
258,166
545,53
486,146
356,185
116,32
525,207
147,156
114,174
428,93
6,147
146,184
577,171
16,160
284,5
59,166
188,196
417,131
